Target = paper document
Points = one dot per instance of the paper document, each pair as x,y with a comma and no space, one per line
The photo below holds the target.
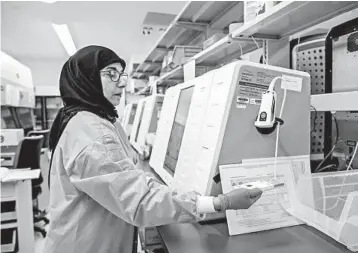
269,211
299,164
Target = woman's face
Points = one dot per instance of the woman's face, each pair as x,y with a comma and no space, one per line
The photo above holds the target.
113,82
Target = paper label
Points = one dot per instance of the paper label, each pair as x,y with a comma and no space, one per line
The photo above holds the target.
242,100
255,101
291,83
241,106
252,92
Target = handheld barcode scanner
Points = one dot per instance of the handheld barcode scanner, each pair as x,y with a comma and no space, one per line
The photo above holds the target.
266,120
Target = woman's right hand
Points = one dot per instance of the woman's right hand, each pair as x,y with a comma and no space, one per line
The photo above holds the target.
241,198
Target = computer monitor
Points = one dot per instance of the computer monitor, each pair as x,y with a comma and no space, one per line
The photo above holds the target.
140,121
177,131
132,112
26,118
145,120
7,118
128,118
180,101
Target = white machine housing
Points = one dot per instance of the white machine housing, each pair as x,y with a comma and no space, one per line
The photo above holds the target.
17,88
197,102
145,120
220,128
128,118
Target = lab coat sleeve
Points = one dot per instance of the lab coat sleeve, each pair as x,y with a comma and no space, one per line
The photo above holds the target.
103,171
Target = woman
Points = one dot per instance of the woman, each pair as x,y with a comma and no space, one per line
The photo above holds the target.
97,195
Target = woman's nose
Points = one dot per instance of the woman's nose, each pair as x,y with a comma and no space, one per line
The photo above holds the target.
121,85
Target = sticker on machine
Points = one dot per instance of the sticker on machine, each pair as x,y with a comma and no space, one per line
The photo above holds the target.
241,106
255,101
252,91
242,100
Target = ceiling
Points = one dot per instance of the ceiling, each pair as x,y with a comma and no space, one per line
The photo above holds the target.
27,33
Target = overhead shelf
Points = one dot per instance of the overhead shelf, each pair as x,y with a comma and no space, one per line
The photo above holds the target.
175,74
340,101
284,19
190,23
226,50
290,17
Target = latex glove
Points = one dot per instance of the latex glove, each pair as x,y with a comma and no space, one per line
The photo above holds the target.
241,198
145,154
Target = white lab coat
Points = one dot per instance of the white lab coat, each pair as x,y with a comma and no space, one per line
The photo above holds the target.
98,195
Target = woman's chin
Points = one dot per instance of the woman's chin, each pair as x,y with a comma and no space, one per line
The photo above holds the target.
115,102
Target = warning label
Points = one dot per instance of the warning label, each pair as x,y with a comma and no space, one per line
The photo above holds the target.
251,92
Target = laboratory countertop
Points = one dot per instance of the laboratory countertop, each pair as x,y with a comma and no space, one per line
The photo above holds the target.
214,238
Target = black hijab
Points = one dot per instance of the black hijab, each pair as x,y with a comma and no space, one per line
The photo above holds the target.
81,88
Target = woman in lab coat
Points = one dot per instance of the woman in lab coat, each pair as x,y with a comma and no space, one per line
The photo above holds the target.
97,195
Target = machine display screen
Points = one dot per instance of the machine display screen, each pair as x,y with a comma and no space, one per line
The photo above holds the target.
132,114
26,118
140,121
7,118
177,132
159,109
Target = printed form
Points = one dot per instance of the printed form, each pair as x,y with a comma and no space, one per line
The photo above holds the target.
269,211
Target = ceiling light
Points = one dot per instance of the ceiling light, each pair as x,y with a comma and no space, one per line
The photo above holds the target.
49,1
66,39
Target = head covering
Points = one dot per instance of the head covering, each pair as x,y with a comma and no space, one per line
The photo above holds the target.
81,88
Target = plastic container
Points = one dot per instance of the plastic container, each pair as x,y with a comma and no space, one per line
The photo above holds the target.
327,202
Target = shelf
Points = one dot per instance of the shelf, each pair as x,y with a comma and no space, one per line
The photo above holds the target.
8,216
290,17
225,50
284,19
340,101
8,198
142,91
191,23
176,75
9,225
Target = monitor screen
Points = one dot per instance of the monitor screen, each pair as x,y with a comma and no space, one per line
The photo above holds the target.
132,114
140,121
177,132
7,118
155,116
159,109
25,116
